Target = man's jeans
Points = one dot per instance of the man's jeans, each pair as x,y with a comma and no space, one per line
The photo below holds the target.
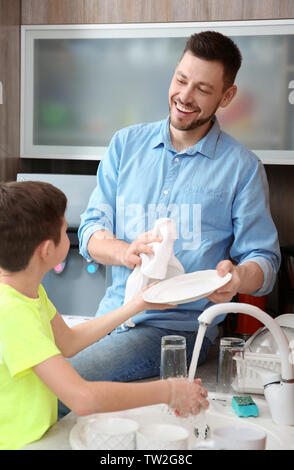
124,356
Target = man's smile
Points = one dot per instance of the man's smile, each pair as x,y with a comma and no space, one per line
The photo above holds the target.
185,110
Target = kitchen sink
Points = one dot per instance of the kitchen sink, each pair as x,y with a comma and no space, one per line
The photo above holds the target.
201,426
67,433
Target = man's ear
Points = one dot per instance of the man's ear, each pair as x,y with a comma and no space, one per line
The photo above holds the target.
229,94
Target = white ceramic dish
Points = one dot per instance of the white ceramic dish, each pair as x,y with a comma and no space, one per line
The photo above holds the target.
162,436
109,433
236,437
186,287
77,437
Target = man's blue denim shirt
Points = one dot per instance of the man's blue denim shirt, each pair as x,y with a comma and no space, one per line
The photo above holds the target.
217,193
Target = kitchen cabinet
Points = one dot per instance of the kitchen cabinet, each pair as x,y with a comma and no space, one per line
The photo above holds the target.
81,83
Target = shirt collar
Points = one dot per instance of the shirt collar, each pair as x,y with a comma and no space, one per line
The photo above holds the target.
206,146
163,136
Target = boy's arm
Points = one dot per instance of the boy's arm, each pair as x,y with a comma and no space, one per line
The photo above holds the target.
85,397
72,340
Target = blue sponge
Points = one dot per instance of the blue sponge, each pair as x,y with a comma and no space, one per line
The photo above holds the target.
244,406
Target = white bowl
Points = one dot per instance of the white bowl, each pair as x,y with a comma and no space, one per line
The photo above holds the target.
162,437
110,433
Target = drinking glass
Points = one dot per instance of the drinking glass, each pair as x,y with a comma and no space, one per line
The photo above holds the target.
173,357
174,364
230,372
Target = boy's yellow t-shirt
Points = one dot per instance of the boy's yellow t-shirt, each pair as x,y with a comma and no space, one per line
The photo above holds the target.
27,407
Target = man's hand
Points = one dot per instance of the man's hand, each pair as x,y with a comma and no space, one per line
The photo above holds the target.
246,279
229,290
130,256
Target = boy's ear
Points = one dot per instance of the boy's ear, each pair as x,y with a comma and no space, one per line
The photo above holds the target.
45,249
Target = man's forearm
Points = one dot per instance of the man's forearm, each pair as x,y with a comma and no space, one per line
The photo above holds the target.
251,277
106,249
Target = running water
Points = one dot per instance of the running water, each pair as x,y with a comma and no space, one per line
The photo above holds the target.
196,351
199,422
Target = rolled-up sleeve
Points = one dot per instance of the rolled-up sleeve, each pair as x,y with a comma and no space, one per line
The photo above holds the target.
100,213
255,235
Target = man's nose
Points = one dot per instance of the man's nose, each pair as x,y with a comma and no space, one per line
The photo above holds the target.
186,96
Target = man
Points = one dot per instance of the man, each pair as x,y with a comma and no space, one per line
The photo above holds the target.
185,168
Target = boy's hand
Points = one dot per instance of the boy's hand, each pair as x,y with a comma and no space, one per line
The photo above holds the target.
187,397
143,305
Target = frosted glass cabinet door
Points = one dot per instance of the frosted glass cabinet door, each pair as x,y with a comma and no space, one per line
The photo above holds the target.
260,114
86,89
80,84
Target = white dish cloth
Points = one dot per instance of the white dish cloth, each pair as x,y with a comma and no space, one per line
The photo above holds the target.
158,266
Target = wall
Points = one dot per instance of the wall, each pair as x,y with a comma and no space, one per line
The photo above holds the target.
9,76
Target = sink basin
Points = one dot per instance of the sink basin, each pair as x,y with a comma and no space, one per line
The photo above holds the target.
219,414
279,437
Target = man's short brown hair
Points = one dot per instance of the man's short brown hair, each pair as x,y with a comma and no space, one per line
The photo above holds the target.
214,46
30,212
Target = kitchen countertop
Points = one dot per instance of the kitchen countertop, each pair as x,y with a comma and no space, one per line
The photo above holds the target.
57,437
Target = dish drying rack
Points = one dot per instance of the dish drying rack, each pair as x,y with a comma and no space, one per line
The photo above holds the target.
252,383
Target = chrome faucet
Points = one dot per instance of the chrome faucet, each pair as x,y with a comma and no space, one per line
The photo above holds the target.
278,391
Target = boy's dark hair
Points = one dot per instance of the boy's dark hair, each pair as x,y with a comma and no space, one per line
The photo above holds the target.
214,46
30,212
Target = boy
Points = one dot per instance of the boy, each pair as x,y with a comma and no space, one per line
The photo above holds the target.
34,339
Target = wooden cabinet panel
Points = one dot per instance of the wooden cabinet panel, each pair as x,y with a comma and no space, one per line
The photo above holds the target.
10,79
10,12
202,10
93,11
134,11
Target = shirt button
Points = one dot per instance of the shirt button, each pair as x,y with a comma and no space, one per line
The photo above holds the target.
176,160
165,191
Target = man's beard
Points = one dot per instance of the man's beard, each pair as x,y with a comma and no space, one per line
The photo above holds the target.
194,124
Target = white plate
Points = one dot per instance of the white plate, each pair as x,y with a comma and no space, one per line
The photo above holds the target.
185,287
